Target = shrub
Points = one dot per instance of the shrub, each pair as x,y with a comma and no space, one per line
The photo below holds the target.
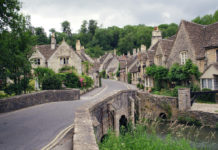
62,76
41,72
189,120
206,97
87,81
103,74
51,82
72,80
129,78
67,69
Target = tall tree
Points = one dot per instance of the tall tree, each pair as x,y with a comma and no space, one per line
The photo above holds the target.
41,36
9,13
66,27
93,25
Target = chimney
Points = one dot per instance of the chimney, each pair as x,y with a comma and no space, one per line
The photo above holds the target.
78,46
143,48
156,36
128,54
115,52
134,52
53,41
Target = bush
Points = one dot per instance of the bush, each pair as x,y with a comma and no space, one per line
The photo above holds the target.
87,82
129,78
206,97
189,120
62,76
66,69
51,82
72,80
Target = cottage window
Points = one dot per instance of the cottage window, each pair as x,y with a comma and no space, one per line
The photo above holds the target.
209,83
204,83
64,60
183,56
37,61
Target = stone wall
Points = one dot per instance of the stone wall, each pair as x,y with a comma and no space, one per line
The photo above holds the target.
26,100
205,118
154,106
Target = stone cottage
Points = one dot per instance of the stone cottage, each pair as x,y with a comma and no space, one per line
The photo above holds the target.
57,56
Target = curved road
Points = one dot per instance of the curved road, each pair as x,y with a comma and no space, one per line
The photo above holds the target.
34,127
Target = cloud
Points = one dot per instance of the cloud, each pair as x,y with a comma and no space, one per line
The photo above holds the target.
50,13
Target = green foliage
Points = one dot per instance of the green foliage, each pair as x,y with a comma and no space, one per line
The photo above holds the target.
166,107
16,47
168,30
140,86
41,37
206,97
95,51
86,64
66,27
184,119
138,139
51,82
42,72
67,69
62,76
72,80
103,74
87,82
207,19
129,78
118,71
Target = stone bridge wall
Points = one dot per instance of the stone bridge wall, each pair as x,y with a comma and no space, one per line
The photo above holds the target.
92,121
26,100
154,106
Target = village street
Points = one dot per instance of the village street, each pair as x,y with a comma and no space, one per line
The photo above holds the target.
34,127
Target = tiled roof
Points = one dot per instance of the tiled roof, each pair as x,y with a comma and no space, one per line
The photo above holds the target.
211,35
122,64
46,50
134,69
166,46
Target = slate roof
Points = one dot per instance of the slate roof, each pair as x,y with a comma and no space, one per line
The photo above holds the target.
122,64
211,35
215,66
46,50
134,69
166,46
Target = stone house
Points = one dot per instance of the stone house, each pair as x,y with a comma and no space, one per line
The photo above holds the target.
209,78
57,56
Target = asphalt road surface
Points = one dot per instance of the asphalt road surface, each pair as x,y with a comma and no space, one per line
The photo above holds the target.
34,127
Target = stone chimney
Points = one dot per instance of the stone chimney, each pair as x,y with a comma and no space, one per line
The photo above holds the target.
134,52
78,46
128,54
115,52
143,48
156,35
53,41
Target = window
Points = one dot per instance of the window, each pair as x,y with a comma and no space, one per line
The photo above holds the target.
64,60
183,56
159,60
216,55
209,83
37,61
204,83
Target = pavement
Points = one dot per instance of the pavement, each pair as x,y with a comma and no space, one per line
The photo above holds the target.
34,127
211,108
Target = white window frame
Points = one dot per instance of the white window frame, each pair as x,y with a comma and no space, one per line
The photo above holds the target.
183,57
64,60
37,61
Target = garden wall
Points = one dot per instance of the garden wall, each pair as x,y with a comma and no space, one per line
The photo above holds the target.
26,100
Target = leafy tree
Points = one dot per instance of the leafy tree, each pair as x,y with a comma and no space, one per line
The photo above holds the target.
41,36
72,80
83,28
95,51
93,25
66,27
16,48
9,14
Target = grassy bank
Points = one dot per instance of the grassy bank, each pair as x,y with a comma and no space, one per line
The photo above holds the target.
138,139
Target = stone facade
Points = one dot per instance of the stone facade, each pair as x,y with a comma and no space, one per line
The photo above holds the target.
184,99
27,100
57,56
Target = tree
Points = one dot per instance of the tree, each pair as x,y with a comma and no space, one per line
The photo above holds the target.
16,47
66,27
83,28
9,14
93,25
41,36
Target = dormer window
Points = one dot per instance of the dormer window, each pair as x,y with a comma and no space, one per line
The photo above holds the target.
64,60
183,57
37,61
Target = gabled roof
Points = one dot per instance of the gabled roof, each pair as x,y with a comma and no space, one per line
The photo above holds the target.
211,35
215,65
166,46
134,69
46,50
196,34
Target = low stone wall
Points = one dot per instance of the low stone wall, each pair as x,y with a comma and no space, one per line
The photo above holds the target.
205,118
152,106
26,100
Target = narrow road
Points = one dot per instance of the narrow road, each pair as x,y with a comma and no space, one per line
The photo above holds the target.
34,127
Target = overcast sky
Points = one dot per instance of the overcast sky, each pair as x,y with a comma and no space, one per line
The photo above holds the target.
50,13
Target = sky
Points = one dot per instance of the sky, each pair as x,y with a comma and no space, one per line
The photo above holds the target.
50,13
